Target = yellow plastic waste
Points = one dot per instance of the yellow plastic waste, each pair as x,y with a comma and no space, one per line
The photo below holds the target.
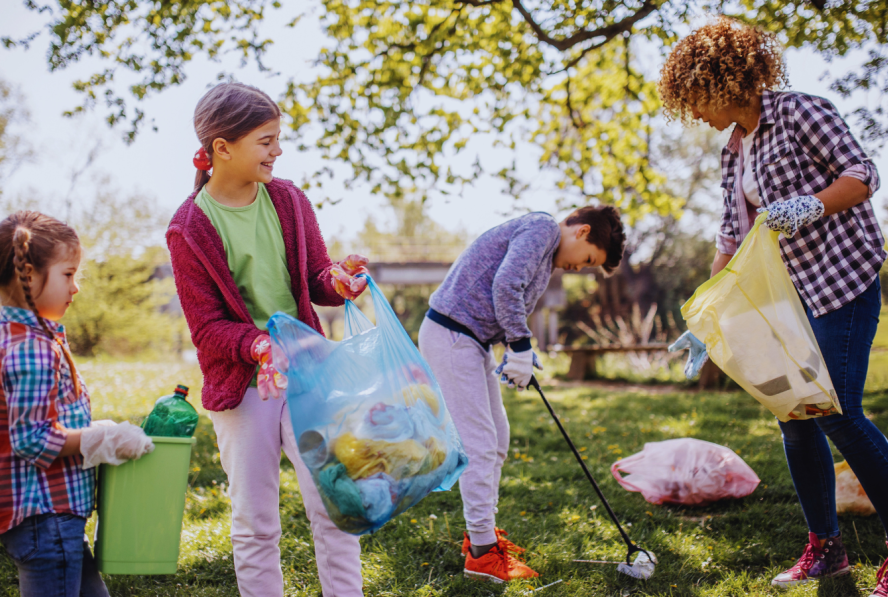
437,453
420,391
364,457
755,329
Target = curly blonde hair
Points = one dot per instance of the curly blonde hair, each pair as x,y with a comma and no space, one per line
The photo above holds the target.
723,63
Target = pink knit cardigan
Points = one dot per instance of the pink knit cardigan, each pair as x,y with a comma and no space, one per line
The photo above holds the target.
221,327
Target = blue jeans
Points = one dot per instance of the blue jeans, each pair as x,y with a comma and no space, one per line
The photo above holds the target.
845,337
53,557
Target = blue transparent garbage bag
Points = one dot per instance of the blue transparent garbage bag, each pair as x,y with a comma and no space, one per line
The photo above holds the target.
369,418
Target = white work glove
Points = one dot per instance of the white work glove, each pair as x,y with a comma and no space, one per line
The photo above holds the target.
697,356
111,443
517,368
790,215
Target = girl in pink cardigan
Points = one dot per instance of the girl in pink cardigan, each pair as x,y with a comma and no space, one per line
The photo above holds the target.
245,245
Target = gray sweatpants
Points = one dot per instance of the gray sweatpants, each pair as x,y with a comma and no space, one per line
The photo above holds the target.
472,393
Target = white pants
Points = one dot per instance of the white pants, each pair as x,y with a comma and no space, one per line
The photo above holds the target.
250,439
465,372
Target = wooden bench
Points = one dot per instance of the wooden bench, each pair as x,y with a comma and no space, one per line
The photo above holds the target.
582,358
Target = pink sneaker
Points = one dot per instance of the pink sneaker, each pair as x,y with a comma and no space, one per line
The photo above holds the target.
816,562
881,589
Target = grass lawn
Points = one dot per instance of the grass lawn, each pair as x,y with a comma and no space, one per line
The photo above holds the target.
729,548
880,342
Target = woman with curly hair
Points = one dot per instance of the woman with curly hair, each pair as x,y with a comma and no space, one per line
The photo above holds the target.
792,155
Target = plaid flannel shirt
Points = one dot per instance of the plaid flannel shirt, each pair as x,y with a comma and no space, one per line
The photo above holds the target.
36,398
801,147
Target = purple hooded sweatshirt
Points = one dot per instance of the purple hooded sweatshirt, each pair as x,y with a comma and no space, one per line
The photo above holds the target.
221,327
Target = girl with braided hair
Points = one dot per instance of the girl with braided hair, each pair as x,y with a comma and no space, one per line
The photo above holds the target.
48,446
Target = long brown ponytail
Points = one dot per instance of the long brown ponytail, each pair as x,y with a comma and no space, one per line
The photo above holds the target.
32,238
229,111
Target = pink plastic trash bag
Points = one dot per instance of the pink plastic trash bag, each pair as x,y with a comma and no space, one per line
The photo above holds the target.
686,471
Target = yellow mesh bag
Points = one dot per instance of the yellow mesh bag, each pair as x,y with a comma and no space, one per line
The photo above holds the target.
755,329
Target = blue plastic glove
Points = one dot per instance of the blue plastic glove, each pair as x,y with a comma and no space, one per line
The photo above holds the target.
790,215
697,356
517,368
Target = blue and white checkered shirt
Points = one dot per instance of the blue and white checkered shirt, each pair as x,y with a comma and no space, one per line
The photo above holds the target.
801,147
37,398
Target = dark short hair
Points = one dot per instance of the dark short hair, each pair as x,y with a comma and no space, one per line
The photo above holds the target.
605,231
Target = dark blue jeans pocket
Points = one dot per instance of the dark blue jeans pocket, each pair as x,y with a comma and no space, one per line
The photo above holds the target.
22,541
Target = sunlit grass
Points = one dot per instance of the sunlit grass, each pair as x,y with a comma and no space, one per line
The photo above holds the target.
730,548
881,339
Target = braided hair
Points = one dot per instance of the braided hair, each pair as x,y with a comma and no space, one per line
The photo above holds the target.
35,239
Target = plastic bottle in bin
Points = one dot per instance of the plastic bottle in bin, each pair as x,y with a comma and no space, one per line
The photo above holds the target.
173,416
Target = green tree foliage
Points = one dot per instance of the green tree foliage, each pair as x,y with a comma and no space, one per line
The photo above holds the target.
666,256
674,253
120,308
872,76
413,236
402,87
154,39
125,305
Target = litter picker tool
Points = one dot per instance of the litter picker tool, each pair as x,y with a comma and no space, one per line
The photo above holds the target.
643,567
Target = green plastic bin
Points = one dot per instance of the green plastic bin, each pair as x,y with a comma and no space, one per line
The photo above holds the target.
141,504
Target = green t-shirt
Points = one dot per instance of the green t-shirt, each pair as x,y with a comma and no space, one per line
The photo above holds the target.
257,259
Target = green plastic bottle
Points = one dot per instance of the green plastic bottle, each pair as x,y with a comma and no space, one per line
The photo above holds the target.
172,416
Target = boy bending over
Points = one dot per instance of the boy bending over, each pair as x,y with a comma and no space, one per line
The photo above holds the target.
486,299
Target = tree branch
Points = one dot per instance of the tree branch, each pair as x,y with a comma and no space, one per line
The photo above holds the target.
427,59
413,45
608,32
576,60
576,116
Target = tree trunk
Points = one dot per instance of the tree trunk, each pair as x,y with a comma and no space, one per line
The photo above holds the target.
711,377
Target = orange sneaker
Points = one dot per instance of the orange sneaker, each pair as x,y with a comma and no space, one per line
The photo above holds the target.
500,539
497,565
507,545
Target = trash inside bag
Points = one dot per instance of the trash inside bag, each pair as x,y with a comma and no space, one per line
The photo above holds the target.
755,329
850,496
686,471
369,419
172,416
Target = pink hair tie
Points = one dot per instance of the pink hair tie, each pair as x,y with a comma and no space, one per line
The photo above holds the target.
202,160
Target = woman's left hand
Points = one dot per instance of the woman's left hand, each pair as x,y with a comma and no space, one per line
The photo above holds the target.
790,215
697,355
342,276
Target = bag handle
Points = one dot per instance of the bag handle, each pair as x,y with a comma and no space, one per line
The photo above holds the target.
615,471
356,322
